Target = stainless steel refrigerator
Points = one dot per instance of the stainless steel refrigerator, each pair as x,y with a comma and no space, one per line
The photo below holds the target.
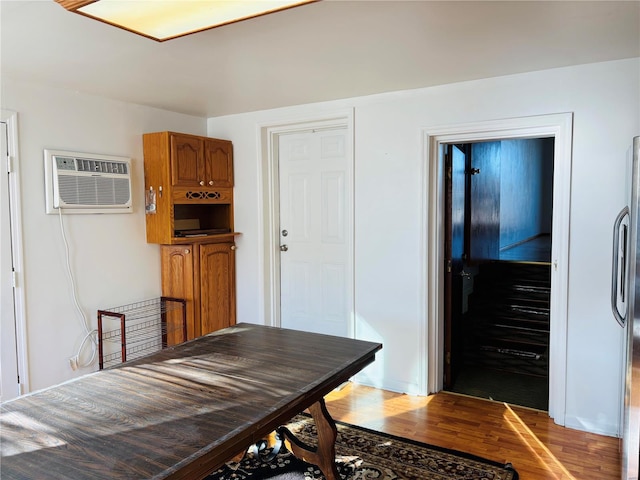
625,302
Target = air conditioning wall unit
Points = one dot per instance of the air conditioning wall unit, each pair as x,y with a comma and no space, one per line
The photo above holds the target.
86,183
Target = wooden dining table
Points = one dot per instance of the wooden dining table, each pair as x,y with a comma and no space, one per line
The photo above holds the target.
184,411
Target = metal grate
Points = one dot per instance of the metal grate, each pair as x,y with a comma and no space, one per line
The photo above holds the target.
85,190
135,330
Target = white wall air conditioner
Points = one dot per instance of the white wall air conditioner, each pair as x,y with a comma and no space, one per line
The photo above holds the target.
86,183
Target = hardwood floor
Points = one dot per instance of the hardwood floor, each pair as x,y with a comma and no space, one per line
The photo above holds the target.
537,447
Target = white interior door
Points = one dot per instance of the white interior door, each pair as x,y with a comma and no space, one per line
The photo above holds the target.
316,280
9,387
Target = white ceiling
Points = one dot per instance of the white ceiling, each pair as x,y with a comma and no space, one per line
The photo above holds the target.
322,51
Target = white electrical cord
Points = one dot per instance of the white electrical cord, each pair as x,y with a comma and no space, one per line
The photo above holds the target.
89,334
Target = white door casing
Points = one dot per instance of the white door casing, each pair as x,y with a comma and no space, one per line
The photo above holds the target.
8,358
314,252
13,366
332,232
558,126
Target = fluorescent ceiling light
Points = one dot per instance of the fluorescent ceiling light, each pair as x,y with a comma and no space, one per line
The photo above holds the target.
166,19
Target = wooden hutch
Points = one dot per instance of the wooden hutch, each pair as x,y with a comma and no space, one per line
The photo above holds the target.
191,178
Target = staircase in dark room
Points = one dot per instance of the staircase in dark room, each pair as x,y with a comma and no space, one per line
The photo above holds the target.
506,335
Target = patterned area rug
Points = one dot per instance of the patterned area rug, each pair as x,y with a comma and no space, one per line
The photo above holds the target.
363,454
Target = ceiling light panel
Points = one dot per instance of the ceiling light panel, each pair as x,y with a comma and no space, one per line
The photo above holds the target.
167,19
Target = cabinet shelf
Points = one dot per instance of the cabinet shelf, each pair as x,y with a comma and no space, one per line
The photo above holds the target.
132,331
215,238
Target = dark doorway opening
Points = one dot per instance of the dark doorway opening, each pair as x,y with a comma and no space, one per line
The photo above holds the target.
498,217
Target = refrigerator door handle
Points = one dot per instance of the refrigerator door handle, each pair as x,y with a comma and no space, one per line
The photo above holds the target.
619,270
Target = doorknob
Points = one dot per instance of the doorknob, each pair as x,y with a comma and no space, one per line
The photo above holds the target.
284,248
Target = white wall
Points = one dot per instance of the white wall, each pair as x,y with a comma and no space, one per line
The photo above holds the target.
113,264
111,261
389,178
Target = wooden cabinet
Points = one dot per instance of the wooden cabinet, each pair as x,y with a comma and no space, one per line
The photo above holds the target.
204,275
200,162
178,279
217,286
186,161
192,178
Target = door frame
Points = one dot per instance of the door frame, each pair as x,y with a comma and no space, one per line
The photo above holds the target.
268,135
558,126
11,119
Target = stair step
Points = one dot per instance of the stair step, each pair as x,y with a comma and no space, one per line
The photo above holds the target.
501,330
530,270
514,312
482,321
507,302
519,361
513,351
507,323
524,341
507,281
524,292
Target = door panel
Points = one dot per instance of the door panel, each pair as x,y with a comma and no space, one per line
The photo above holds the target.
315,225
217,287
296,286
455,201
186,153
298,208
484,242
333,210
9,387
218,163
178,281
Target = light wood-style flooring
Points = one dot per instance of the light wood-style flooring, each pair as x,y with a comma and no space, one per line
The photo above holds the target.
537,447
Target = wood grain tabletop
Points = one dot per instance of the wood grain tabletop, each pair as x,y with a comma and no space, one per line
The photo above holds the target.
178,413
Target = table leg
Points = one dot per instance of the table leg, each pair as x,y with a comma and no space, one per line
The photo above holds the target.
324,455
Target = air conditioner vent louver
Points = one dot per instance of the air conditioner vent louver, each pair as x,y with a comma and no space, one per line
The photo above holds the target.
93,191
82,183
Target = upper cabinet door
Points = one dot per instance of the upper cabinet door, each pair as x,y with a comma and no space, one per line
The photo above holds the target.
218,163
186,164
